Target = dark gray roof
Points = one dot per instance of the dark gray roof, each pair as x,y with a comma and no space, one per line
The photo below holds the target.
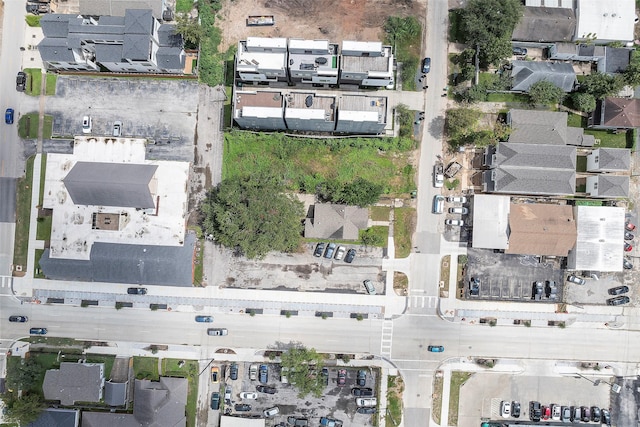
115,394
74,382
616,60
526,73
119,7
613,185
161,403
168,37
170,58
614,159
109,52
57,418
111,20
534,169
136,47
91,30
143,264
576,136
538,127
110,184
56,24
54,49
108,419
545,24
333,221
138,21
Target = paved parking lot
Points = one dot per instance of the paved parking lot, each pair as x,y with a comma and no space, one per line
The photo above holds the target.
164,111
481,395
299,271
595,291
336,402
510,277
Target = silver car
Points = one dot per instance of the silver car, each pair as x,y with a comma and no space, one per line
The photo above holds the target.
368,285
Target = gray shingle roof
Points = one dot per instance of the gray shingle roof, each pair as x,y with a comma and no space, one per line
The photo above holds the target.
526,73
74,382
119,7
57,418
331,221
54,49
146,265
109,53
614,159
538,127
136,47
613,185
533,169
110,184
616,60
545,24
168,37
108,419
171,58
161,403
56,24
138,21
115,394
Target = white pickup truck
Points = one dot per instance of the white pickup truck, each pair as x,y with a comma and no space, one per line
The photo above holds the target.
438,175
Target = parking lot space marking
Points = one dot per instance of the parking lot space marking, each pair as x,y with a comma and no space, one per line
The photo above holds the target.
387,337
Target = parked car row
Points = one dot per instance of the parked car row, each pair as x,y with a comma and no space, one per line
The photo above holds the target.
334,251
567,414
547,289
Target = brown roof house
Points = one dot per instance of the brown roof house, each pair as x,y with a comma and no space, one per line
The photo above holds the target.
541,229
74,382
331,221
616,113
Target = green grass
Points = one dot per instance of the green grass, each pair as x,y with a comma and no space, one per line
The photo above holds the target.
456,34
608,138
305,163
405,222
184,5
394,404
23,209
44,228
457,380
379,213
47,127
576,121
380,233
436,401
37,273
33,20
43,170
145,368
189,370
581,163
34,81
588,202
28,126
508,97
51,84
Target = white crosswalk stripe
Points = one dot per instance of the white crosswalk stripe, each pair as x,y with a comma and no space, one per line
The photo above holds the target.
387,337
420,301
5,281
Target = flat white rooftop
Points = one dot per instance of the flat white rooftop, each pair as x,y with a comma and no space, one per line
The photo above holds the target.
600,241
491,221
606,20
73,229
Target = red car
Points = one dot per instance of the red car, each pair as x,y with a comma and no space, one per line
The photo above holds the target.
629,226
342,377
546,412
627,247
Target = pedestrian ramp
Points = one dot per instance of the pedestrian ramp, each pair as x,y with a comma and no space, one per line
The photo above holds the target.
387,338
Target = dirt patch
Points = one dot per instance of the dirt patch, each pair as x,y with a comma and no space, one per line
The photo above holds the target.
400,283
333,20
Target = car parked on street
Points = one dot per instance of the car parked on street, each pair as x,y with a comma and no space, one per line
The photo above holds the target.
628,247
361,379
204,319
457,199
368,286
271,412
515,409
626,264
20,319
342,377
233,373
618,300
362,392
340,253
328,254
8,116
629,226
426,65
628,236
438,204
505,409
215,374
266,389
38,331
249,395
21,81
435,348
263,374
217,332
618,290
454,222
577,280
459,210
319,249
215,401
351,255
137,291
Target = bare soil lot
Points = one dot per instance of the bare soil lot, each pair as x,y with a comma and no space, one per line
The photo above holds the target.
333,20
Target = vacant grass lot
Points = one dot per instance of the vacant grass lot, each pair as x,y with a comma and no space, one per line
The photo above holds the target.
50,90
379,213
34,81
145,368
23,208
304,163
457,380
405,223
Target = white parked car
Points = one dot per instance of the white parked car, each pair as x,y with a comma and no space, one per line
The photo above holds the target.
454,222
366,401
459,210
505,409
340,253
457,199
271,412
86,124
577,280
248,395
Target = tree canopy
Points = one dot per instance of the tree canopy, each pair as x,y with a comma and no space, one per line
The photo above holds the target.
489,24
190,30
601,85
632,73
545,92
253,215
583,102
304,370
358,192
23,376
23,410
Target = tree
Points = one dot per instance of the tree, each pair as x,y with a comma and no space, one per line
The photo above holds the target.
464,64
359,192
23,376
401,29
304,367
369,237
601,85
583,102
253,215
545,92
632,73
190,30
25,409
460,121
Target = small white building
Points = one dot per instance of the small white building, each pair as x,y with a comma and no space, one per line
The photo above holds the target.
262,59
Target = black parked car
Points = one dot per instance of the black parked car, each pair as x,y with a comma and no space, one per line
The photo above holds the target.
474,287
325,375
605,417
319,249
366,410
362,378
535,411
215,401
595,414
21,81
266,389
233,374
515,409
20,319
618,300
618,290
137,291
426,65
242,407
519,51
362,392
351,255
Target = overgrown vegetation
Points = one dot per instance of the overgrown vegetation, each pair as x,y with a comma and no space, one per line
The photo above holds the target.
23,210
405,222
190,30
545,92
463,129
211,66
375,236
304,368
395,387
184,6
405,35
481,92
